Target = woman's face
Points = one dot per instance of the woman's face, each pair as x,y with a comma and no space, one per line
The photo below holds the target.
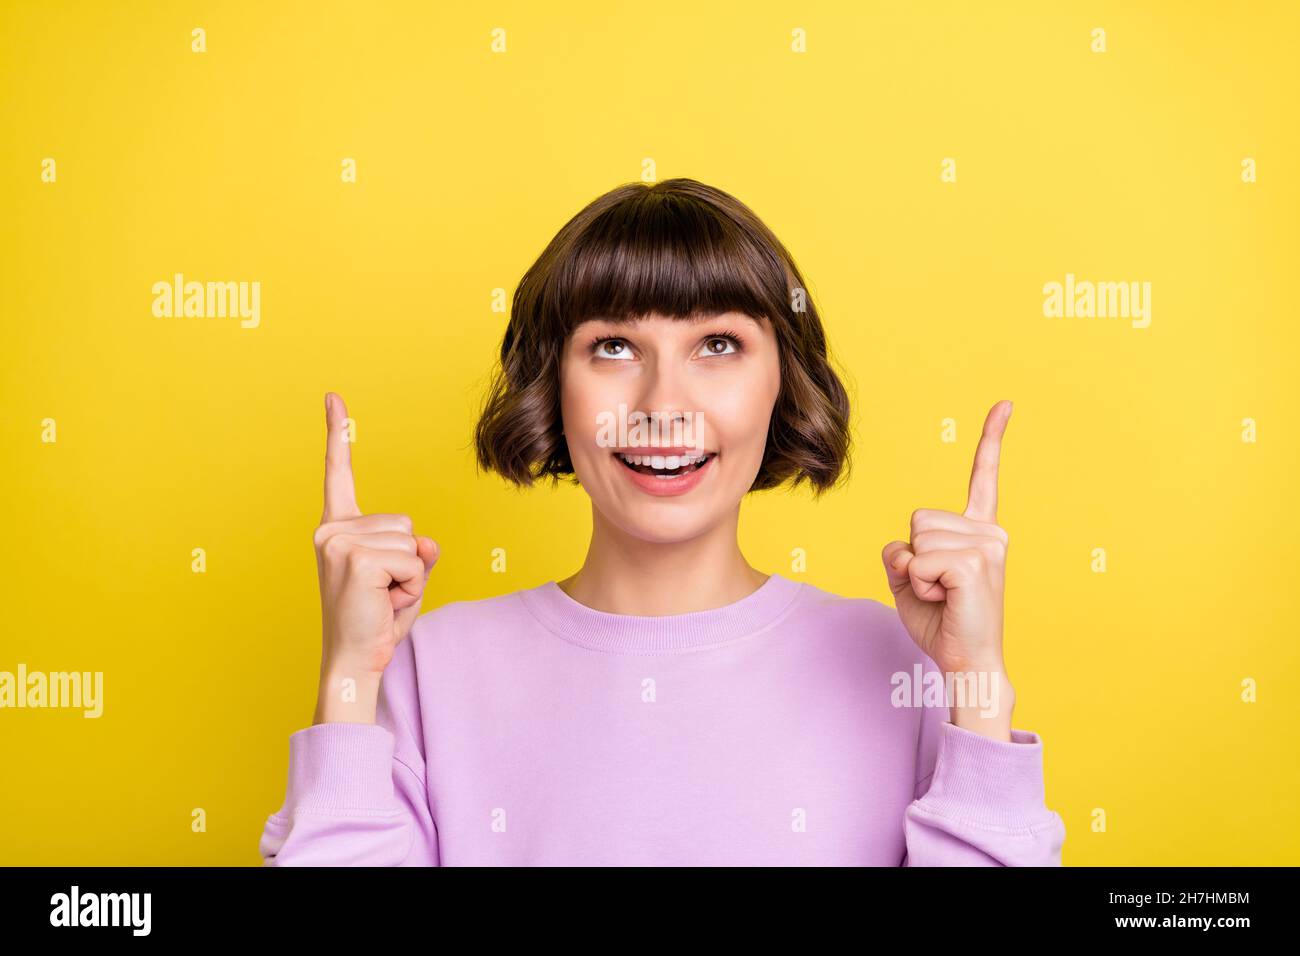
706,389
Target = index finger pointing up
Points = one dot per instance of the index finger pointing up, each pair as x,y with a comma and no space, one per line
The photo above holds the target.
982,501
340,493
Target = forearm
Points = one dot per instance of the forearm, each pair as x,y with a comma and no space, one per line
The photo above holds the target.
989,712
346,694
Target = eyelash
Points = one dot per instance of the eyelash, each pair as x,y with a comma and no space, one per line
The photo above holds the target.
728,334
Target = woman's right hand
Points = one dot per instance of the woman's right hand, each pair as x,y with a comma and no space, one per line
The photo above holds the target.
372,571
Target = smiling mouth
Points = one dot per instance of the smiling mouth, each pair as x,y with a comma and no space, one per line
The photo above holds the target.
665,466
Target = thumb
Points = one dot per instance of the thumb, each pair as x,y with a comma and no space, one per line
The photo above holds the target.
896,556
407,607
428,551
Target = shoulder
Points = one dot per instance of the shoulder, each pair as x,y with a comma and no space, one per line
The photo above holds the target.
447,647
463,619
868,624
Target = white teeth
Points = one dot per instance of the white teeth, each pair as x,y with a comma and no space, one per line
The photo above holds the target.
664,461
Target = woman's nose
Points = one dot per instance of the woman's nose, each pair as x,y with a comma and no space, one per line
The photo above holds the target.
664,394
671,408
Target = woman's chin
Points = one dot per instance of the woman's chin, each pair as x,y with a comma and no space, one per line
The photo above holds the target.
661,521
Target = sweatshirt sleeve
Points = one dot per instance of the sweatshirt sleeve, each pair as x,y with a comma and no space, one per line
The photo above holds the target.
980,801
357,794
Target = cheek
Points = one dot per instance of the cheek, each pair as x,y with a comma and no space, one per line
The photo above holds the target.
583,399
739,414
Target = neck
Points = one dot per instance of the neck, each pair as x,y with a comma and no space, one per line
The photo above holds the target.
627,575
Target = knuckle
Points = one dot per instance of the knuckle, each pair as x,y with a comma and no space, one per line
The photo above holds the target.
334,547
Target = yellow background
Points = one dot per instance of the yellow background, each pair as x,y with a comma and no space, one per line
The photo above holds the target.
182,433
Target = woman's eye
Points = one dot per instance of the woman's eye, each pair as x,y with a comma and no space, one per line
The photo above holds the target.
717,345
613,348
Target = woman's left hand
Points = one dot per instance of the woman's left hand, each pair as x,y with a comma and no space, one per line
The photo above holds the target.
948,582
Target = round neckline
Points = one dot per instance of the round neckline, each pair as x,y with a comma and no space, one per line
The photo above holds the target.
637,633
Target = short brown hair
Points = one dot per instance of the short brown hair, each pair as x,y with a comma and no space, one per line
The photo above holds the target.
681,249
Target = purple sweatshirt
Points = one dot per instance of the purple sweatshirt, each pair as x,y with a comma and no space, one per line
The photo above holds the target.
529,729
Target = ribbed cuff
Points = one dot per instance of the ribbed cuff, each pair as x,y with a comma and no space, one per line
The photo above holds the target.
987,782
340,766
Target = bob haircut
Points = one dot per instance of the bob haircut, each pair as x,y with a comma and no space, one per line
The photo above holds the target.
682,249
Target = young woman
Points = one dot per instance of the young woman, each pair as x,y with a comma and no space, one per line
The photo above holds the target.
667,703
